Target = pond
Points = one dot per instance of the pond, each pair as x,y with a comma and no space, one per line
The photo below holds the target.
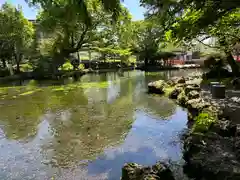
88,129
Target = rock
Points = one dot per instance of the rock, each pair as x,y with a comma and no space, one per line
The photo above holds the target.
236,83
235,99
211,156
237,130
156,87
193,95
170,82
197,104
180,85
181,80
133,171
174,94
190,116
182,99
190,88
177,80
237,147
224,128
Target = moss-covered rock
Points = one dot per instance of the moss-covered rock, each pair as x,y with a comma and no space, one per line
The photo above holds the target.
193,95
157,87
182,99
133,171
192,87
197,104
175,92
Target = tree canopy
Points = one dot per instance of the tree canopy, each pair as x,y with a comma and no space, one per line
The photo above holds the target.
16,34
188,20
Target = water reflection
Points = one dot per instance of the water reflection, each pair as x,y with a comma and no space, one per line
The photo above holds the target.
87,129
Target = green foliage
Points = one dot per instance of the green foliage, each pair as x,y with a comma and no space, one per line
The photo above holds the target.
112,6
191,21
81,67
26,67
16,34
66,66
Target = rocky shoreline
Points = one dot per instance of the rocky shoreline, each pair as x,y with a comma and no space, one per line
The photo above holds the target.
212,144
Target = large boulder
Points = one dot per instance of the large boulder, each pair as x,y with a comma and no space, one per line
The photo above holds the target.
133,171
156,87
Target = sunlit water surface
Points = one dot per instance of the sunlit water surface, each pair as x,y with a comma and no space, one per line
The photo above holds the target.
88,129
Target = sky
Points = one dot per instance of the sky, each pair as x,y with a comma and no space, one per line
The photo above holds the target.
30,13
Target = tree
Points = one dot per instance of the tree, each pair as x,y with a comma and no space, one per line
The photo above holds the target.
69,31
148,36
186,20
111,6
116,39
16,34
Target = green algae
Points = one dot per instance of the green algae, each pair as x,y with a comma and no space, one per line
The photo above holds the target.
29,92
70,87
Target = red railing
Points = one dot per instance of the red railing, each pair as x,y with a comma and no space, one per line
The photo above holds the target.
237,58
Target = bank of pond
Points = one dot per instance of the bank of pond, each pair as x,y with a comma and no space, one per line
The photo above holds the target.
211,145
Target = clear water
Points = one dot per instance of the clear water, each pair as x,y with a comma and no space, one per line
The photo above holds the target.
87,129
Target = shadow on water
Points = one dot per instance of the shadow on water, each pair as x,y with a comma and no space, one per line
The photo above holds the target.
87,129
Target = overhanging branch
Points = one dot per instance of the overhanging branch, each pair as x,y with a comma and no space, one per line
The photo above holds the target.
208,45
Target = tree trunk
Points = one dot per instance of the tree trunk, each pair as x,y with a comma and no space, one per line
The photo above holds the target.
232,63
146,61
18,60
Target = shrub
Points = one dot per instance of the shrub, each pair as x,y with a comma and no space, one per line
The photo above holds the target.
26,67
81,67
66,66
